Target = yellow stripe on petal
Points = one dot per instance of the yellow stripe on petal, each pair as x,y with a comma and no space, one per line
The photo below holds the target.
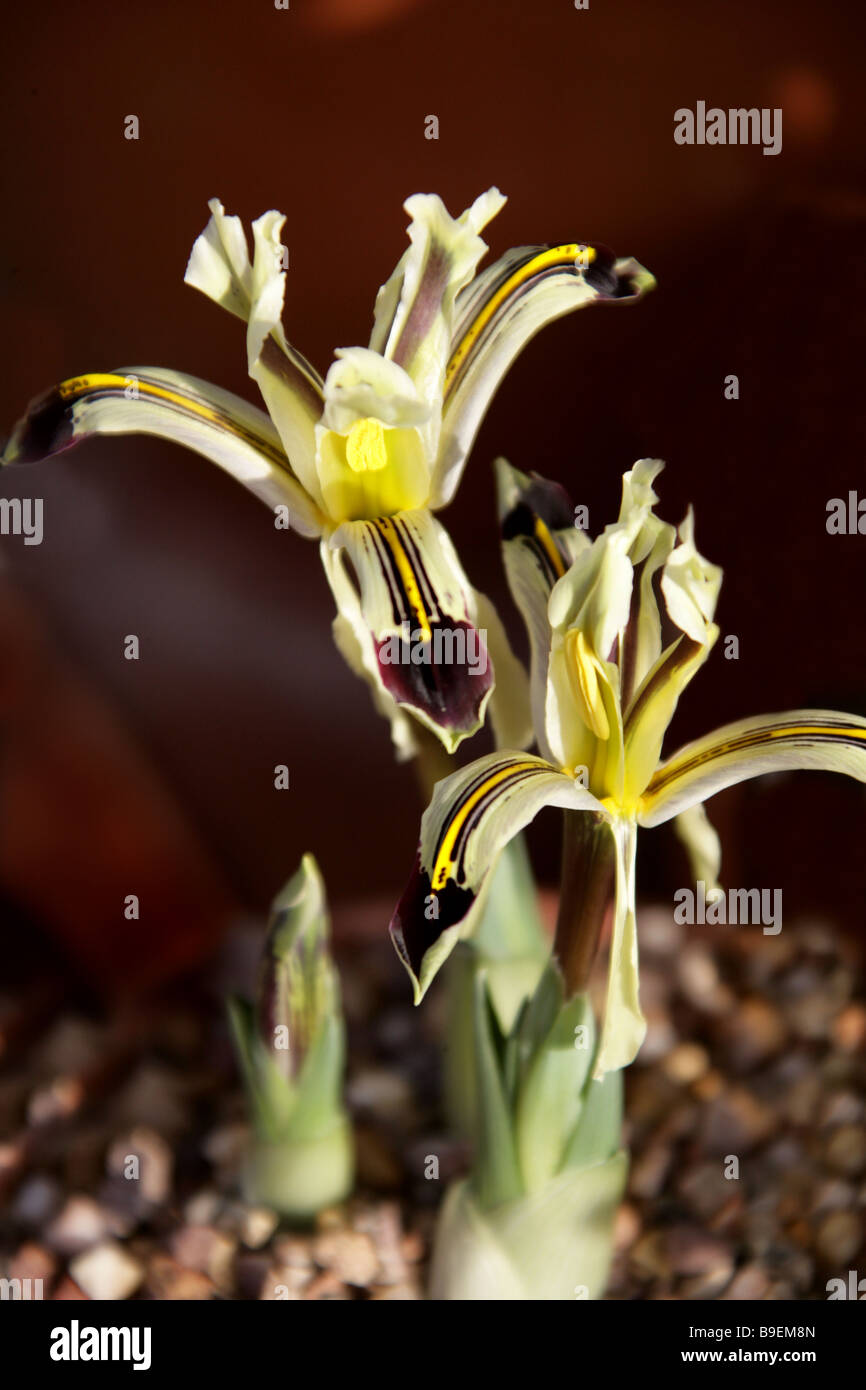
133,387
445,859
566,257
818,740
387,529
222,427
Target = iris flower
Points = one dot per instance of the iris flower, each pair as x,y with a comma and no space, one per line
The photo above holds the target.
363,459
618,628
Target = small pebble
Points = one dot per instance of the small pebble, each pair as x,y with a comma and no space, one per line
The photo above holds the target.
207,1250
845,1150
838,1237
849,1028
350,1255
79,1224
107,1272
36,1201
142,1158
750,1283
686,1063
166,1279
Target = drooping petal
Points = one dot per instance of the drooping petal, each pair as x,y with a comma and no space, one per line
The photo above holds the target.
498,315
415,309
146,400
354,642
509,709
823,740
472,815
417,605
539,543
694,829
624,1026
220,267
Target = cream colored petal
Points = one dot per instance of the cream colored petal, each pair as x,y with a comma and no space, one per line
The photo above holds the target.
509,708
654,706
354,642
473,815
220,267
498,315
415,310
690,585
699,836
624,1026
222,427
823,740
418,608
539,543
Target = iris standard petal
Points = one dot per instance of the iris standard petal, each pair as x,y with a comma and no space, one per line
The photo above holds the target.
415,309
472,816
499,313
820,740
220,267
145,400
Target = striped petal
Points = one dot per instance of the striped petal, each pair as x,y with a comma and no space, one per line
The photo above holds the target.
498,315
472,816
539,543
220,267
145,400
413,611
822,740
415,308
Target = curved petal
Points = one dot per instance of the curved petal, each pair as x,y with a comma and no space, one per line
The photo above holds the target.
415,309
624,1026
696,832
509,708
423,647
146,400
499,314
823,740
220,267
539,543
690,585
588,609
654,706
472,816
353,641
641,643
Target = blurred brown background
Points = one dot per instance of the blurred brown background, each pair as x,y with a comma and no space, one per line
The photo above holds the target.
156,777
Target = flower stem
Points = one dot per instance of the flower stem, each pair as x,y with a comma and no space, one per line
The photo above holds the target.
586,895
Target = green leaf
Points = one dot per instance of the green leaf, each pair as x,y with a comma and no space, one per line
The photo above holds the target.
551,1093
496,1176
597,1133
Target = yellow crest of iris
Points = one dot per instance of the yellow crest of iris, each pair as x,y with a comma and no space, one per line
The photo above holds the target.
372,470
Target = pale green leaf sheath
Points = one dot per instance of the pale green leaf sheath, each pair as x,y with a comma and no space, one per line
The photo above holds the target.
618,628
362,459
291,1047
